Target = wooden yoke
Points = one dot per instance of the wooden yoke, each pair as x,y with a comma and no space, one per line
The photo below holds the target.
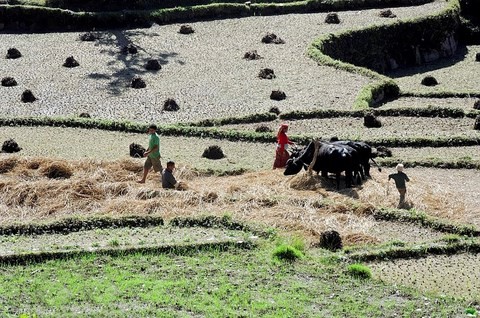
315,154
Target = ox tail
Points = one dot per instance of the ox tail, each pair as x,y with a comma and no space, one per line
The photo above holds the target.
376,164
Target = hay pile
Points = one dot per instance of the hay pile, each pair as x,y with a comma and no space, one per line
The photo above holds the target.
9,81
10,146
153,65
213,152
477,57
186,29
138,82
332,18
28,97
89,37
429,80
272,38
263,129
252,55
71,62
170,105
136,150
371,121
85,115
387,14
278,95
13,53
266,73
274,110
57,170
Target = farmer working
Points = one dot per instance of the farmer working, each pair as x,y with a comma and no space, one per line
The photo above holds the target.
400,182
152,153
281,153
168,180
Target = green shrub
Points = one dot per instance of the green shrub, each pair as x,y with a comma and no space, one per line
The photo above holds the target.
359,271
286,252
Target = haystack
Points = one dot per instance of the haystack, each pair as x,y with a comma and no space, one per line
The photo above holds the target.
138,82
170,105
383,152
28,97
331,241
186,29
429,80
136,150
387,14
13,53
263,129
57,170
272,38
84,115
332,18
371,121
9,81
153,65
278,95
477,57
71,62
274,110
7,164
10,146
213,152
88,37
306,181
266,73
252,55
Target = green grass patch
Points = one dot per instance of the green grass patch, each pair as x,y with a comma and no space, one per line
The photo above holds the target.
209,283
287,253
359,271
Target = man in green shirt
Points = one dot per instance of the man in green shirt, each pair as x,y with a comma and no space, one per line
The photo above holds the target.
152,153
400,179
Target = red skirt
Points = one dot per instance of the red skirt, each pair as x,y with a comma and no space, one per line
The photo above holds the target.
281,157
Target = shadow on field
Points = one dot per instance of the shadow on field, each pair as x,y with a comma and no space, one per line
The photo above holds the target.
125,66
432,66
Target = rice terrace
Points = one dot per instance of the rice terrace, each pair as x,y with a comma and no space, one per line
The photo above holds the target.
83,80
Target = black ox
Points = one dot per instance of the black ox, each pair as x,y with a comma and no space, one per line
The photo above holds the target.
335,157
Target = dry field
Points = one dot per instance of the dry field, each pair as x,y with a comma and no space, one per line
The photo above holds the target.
441,153
421,102
393,127
459,74
264,197
204,72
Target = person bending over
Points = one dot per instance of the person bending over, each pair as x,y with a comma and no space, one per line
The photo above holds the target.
168,180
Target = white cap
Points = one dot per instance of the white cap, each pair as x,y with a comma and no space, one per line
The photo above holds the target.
399,167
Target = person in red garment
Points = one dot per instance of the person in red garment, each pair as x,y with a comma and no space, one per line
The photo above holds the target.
281,154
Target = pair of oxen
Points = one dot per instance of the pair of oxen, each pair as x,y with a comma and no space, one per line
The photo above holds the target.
335,157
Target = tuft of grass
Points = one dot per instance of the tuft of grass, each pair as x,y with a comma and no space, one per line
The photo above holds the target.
451,238
286,252
114,243
471,311
359,271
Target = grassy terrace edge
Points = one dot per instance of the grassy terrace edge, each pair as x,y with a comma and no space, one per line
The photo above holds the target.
36,18
384,88
182,249
214,133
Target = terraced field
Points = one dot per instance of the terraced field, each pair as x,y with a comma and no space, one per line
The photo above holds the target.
213,257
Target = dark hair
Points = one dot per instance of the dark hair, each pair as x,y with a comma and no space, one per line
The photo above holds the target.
152,126
170,163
